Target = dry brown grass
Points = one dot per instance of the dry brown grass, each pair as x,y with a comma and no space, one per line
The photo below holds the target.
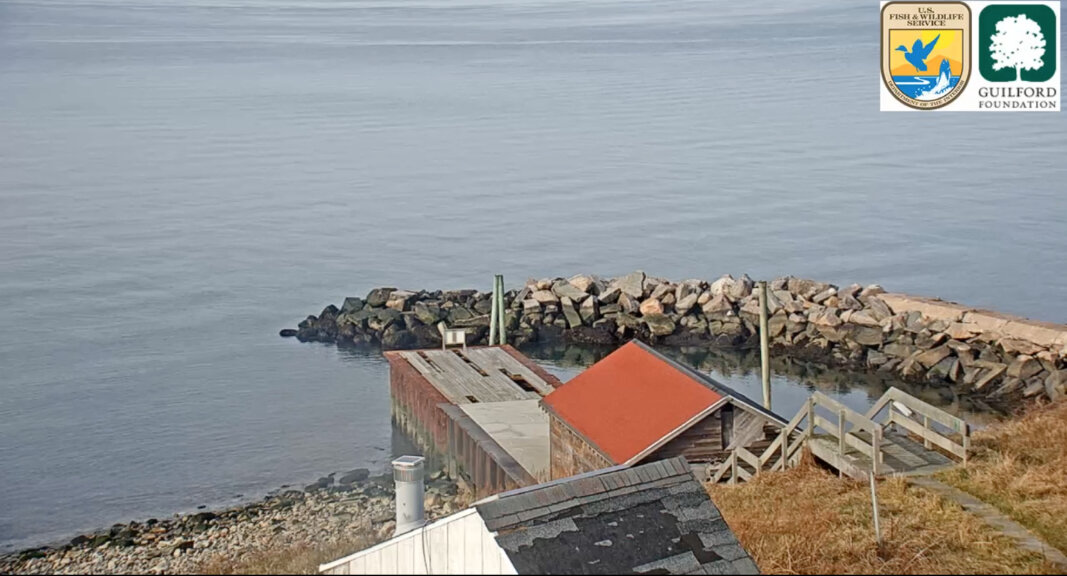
807,521
1020,466
292,560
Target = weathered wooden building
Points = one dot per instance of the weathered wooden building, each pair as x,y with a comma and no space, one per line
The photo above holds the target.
478,408
636,405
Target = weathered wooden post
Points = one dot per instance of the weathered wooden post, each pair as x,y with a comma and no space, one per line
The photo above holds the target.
785,450
493,313
874,507
926,432
841,432
966,441
764,345
499,308
811,417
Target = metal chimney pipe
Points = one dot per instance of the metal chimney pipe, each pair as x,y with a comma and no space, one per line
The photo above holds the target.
408,475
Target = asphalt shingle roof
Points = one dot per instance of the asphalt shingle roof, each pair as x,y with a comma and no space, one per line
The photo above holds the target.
650,519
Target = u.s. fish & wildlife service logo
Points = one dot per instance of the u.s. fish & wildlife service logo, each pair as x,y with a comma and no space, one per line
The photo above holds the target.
926,52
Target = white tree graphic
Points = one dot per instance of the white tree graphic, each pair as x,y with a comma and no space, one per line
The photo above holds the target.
1018,44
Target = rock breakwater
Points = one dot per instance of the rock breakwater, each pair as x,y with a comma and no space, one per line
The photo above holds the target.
354,508
1001,358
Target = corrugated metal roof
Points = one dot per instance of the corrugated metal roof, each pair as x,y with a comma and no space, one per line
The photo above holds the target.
630,400
654,518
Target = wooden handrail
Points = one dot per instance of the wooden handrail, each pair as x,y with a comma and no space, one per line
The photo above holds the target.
784,435
723,468
845,429
929,435
954,423
748,457
857,419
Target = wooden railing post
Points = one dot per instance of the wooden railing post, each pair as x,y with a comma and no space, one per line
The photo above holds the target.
733,468
811,416
926,432
841,431
876,448
785,450
966,441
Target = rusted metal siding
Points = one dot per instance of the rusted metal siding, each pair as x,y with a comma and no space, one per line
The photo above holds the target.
425,414
416,405
570,453
478,459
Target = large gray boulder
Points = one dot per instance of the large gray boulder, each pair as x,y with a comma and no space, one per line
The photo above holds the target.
545,296
564,289
352,304
574,320
633,284
379,296
659,324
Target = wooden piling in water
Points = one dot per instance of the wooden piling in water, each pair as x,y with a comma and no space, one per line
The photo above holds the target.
764,345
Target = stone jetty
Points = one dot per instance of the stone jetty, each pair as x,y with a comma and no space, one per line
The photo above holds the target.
1001,358
352,508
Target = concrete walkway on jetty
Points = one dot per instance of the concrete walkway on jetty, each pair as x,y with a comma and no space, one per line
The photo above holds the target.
950,348
993,517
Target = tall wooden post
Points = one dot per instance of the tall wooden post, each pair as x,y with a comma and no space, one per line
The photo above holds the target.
503,338
874,508
493,313
764,345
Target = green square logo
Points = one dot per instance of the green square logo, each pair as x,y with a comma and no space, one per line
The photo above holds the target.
1017,42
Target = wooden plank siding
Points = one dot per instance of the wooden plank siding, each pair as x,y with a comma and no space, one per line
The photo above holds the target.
712,439
570,454
708,440
702,442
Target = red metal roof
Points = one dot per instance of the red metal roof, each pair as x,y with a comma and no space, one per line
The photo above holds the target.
629,400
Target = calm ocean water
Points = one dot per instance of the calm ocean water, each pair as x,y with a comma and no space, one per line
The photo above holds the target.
180,179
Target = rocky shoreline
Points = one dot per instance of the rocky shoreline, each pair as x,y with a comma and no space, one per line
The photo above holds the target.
353,507
1002,359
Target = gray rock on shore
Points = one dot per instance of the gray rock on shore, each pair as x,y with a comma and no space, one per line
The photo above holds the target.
361,509
925,341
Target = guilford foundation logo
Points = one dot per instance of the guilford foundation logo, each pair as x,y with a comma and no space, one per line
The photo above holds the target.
1017,53
926,52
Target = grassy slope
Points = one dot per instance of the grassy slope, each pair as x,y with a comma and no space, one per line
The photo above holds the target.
295,560
1020,466
807,521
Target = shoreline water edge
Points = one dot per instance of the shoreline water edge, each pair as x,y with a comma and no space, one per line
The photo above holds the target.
997,361
993,359
355,507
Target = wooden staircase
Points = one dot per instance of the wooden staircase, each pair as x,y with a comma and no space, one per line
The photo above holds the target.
900,435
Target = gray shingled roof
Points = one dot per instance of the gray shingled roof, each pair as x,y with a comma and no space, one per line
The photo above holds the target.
651,519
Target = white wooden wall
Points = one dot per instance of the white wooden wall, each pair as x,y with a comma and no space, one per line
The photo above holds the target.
458,544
